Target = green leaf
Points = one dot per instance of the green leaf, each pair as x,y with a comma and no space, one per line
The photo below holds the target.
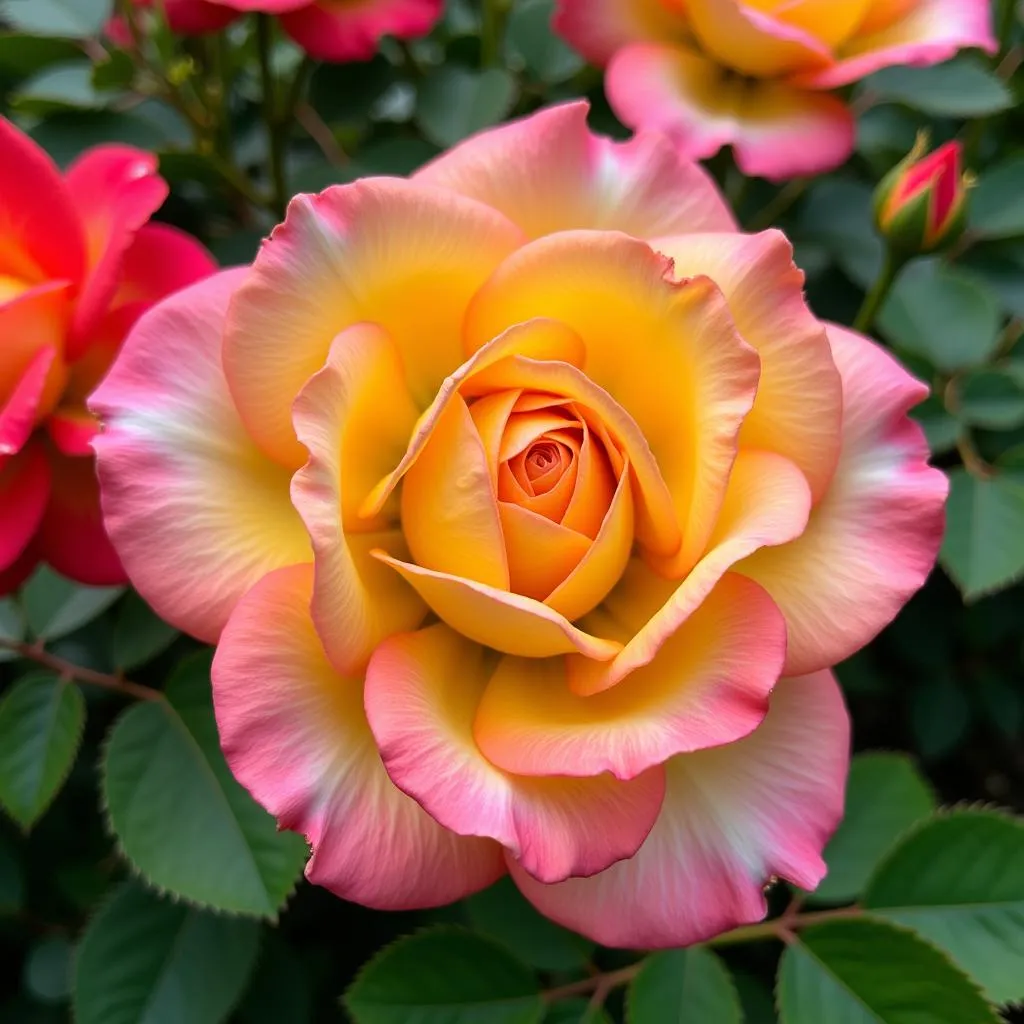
958,880
68,133
41,722
116,72
531,43
885,795
683,986
12,882
48,970
444,976
959,88
61,87
179,814
22,56
837,215
991,398
940,716
983,550
71,18
55,606
997,202
145,960
139,633
949,317
503,913
456,101
867,972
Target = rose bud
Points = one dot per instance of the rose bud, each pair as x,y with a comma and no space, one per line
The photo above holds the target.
921,204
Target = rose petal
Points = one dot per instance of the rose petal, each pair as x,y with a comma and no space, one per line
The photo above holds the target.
18,414
295,735
777,131
798,407
733,818
354,417
930,32
871,542
115,189
40,236
161,260
422,691
597,28
353,31
24,491
405,256
176,465
708,685
643,187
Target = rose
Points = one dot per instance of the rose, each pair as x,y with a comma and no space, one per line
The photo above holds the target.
921,204
754,73
325,29
546,393
78,264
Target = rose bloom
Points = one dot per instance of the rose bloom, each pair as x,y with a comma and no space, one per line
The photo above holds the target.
528,505
331,30
78,264
754,73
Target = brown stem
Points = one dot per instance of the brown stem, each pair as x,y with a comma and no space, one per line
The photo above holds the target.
783,928
80,673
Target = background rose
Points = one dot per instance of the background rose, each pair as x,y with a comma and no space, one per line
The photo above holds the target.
78,264
753,73
592,712
335,30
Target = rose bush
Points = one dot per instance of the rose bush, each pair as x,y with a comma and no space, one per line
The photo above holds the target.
326,29
755,74
529,505
78,264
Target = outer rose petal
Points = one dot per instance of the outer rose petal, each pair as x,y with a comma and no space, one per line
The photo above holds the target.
19,570
405,256
24,491
354,417
733,817
666,350
750,42
71,429
115,189
328,30
422,691
777,131
161,260
597,28
708,685
643,187
295,735
71,535
799,406
176,464
872,540
40,235
930,32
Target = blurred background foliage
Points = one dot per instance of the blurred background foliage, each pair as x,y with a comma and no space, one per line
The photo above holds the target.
140,883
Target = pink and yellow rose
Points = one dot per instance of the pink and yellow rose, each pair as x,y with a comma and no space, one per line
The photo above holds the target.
756,74
331,30
79,263
528,505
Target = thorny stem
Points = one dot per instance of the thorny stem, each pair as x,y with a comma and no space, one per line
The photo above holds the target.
783,928
79,673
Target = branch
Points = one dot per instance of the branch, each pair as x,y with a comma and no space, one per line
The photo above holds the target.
79,673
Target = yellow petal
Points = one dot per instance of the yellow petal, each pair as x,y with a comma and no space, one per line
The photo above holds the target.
541,553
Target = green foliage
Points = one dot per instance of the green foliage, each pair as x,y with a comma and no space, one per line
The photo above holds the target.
445,976
958,880
867,972
455,102
684,986
41,722
54,606
179,815
144,960
962,87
